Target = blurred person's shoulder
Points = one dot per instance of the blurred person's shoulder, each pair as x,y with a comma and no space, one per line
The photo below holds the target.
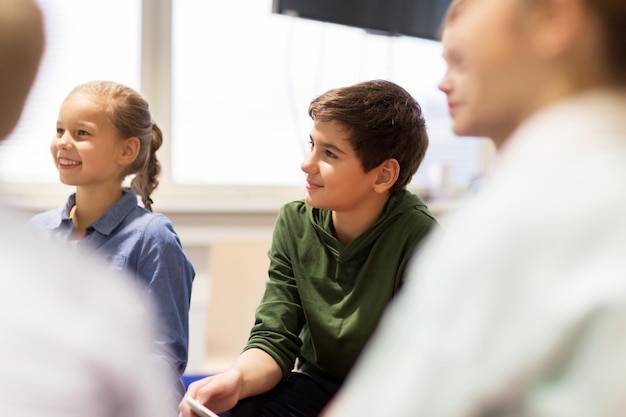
82,334
35,261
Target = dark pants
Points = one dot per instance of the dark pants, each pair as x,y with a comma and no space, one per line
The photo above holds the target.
301,395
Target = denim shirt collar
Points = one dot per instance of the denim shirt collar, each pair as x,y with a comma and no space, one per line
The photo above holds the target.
106,223
115,215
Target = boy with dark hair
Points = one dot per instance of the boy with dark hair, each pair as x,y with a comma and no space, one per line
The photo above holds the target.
337,258
519,309
384,121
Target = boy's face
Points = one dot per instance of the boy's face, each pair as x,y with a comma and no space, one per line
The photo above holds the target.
486,51
335,178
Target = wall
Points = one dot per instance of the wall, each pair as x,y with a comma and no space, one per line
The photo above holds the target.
229,253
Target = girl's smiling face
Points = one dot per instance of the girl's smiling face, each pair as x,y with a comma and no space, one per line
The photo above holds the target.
86,148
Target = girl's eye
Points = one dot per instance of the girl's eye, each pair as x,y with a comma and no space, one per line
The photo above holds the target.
83,133
311,144
60,131
330,154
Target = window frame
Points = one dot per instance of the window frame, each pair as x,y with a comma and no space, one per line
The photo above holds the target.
156,86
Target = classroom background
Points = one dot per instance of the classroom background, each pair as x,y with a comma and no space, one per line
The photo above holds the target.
229,83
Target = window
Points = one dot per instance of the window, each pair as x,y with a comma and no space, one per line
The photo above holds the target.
243,78
85,40
231,95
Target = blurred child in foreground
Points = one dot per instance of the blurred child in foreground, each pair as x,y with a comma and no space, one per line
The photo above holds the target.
519,309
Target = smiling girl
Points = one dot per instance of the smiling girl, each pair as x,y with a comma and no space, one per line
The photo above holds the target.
104,134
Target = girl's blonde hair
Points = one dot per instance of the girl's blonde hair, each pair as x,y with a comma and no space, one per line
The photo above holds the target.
129,113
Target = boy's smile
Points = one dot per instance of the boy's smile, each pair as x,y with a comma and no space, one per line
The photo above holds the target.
310,185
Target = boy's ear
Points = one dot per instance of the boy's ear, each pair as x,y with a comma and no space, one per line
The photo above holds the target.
129,151
558,25
387,175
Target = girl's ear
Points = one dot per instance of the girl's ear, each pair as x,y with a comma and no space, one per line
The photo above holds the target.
387,175
129,151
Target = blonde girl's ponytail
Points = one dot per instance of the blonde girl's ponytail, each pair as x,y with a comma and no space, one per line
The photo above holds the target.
146,179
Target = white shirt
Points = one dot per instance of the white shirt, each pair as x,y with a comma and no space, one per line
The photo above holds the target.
76,340
519,308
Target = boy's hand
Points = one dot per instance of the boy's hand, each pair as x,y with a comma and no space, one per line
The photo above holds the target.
218,392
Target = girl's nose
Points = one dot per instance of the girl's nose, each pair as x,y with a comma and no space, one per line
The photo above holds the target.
63,141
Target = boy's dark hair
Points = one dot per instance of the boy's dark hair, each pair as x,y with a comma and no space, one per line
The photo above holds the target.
384,122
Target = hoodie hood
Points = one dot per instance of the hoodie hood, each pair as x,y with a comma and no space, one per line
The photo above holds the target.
398,204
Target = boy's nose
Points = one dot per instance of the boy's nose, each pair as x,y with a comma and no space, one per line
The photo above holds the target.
307,163
444,84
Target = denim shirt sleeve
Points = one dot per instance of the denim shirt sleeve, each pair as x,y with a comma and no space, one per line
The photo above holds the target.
167,274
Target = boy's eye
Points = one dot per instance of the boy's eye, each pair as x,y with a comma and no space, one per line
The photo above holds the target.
60,131
326,152
83,133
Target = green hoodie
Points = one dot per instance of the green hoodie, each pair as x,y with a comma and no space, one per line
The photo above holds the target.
323,300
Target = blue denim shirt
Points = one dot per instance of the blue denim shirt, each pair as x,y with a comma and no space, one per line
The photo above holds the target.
144,244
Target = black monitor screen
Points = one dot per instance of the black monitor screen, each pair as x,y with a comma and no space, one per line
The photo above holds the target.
418,18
